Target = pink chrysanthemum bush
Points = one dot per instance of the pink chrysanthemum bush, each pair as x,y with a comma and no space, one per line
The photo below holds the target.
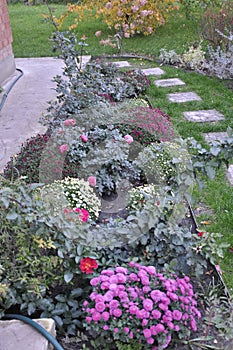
139,303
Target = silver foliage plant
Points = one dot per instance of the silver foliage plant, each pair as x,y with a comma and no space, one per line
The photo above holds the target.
216,62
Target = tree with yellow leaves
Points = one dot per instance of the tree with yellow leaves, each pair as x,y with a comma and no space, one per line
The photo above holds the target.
127,17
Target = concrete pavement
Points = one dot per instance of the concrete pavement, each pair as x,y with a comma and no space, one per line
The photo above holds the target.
26,102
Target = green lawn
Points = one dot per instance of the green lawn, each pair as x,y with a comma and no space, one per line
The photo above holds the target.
31,39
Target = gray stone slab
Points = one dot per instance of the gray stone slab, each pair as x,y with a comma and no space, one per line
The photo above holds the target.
153,71
169,82
183,97
121,64
203,116
230,174
18,335
214,136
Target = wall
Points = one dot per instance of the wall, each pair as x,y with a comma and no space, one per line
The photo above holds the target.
7,63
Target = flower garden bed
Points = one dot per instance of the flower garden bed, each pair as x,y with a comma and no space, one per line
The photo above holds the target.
95,212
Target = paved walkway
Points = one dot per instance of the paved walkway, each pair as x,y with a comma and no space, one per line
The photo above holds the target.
26,102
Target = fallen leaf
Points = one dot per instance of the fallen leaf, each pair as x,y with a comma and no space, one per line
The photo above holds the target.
206,222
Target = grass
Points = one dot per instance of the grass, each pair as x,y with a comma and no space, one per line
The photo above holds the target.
179,33
31,33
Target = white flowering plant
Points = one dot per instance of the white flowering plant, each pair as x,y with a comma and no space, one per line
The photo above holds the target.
72,194
139,303
139,195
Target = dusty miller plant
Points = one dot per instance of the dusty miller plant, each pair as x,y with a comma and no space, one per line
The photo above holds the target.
220,61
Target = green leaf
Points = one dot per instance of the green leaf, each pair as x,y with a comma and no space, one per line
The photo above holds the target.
12,216
215,150
58,320
31,308
68,277
76,292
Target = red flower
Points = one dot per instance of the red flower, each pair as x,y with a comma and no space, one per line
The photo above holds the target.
83,214
87,265
200,233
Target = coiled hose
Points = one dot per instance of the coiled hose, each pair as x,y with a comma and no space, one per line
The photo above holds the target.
38,327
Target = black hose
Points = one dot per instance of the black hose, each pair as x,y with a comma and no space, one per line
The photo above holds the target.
38,327
5,95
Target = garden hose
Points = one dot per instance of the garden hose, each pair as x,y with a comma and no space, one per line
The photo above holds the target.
5,95
38,327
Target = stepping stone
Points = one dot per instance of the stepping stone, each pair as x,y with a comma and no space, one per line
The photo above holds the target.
121,64
214,136
18,335
168,82
204,116
152,71
183,97
230,174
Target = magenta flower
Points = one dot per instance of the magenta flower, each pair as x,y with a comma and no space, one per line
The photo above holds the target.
92,180
148,304
150,314
117,312
94,281
121,278
133,277
105,316
88,319
128,139
69,122
120,269
83,214
113,279
64,148
147,333
100,307
156,314
108,296
99,298
156,295
133,309
113,304
151,270
126,329
96,316
159,328
84,138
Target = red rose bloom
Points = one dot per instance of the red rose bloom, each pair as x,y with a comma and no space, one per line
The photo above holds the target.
87,265
200,233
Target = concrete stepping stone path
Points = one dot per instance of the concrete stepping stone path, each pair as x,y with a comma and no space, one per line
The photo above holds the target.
153,71
180,97
121,64
203,116
169,82
214,136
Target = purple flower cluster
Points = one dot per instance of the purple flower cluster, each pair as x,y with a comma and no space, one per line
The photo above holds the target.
149,305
